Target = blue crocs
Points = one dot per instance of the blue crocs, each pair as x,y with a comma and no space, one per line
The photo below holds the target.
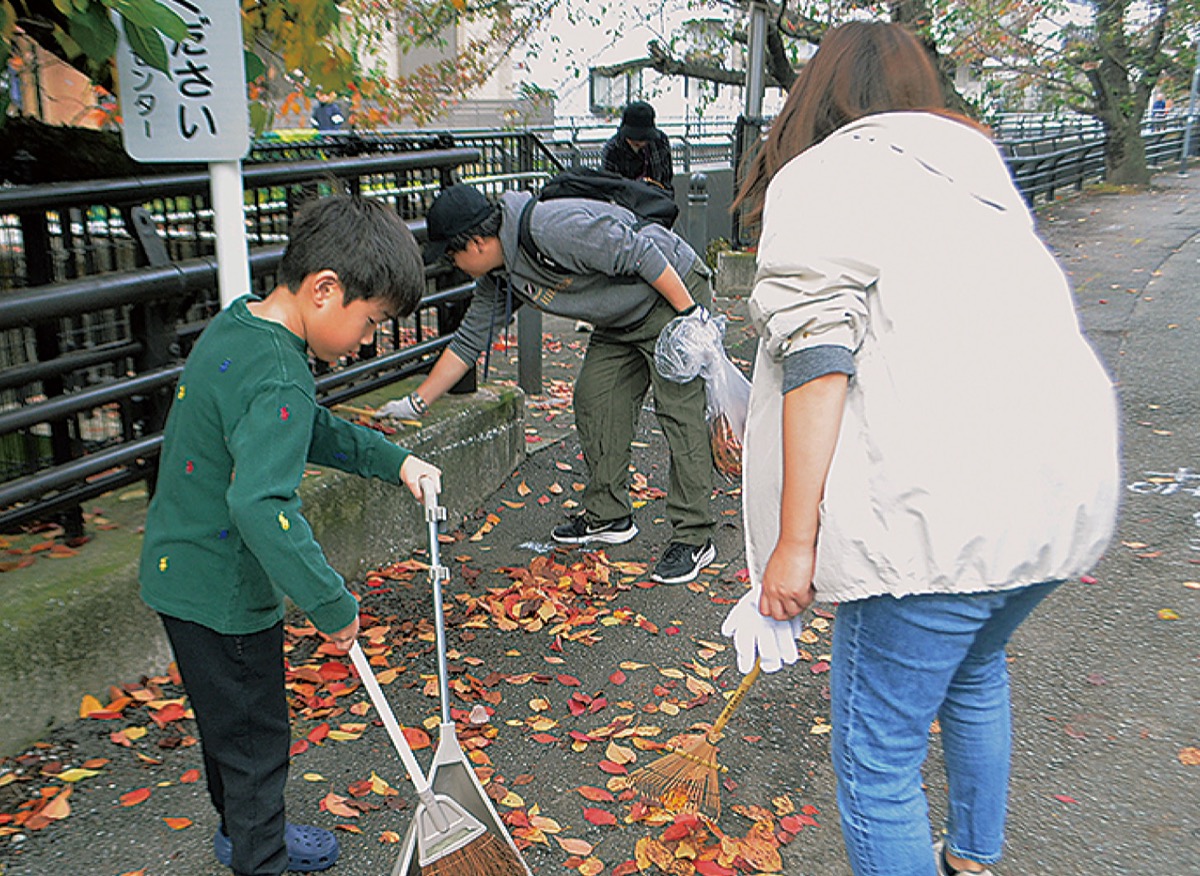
309,848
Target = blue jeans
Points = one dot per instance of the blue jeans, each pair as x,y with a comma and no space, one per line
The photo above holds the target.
897,665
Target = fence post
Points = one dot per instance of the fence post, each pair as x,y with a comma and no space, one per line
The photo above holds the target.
153,325
449,315
529,350
696,222
39,271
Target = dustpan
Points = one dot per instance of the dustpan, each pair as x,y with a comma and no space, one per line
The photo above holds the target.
451,773
442,825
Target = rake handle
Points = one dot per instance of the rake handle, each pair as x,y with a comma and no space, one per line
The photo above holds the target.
734,701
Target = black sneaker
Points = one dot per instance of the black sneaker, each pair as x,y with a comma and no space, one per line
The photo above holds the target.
681,563
580,530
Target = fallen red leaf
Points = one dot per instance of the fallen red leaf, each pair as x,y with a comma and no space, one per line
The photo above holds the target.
417,738
712,868
599,816
133,798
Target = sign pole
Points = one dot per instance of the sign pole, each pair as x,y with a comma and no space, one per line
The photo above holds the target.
229,223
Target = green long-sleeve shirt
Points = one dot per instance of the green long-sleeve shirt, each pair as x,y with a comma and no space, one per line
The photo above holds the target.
225,536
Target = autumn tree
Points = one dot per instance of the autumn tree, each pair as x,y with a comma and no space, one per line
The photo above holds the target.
793,28
1103,58
1107,65
293,47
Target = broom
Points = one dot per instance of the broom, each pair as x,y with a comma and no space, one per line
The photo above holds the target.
687,778
450,773
451,841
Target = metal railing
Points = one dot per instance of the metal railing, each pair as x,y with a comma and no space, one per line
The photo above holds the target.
87,363
1043,167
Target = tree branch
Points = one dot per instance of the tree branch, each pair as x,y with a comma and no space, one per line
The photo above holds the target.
662,61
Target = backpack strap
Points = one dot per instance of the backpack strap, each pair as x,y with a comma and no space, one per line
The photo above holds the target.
525,241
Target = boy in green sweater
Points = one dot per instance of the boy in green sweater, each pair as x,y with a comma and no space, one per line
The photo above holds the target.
225,536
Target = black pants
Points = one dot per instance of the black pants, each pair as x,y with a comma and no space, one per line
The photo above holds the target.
236,688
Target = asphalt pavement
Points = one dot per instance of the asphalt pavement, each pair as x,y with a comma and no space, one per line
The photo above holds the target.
573,670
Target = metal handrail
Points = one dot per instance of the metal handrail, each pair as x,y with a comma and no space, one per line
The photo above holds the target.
18,199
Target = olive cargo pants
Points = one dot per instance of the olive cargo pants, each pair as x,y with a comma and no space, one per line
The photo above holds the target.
618,369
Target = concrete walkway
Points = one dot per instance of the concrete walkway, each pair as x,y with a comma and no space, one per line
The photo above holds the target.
1105,675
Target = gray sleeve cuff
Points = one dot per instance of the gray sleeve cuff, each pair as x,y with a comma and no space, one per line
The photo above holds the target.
813,362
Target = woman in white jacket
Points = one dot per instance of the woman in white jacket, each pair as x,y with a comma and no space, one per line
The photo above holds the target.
931,442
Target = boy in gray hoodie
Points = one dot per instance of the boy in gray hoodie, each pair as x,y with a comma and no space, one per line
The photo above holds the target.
594,261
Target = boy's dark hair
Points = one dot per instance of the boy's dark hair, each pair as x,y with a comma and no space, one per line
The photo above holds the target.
364,242
489,227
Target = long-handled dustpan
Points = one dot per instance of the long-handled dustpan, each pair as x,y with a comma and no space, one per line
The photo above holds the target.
442,825
450,773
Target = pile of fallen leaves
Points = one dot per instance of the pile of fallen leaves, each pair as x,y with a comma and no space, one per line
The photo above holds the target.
564,599
566,596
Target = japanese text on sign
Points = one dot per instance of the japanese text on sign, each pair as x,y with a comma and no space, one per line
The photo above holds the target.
198,113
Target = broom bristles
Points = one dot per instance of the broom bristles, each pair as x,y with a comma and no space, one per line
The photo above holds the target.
486,856
685,780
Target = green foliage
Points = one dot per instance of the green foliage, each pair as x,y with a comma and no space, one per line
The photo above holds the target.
715,247
93,31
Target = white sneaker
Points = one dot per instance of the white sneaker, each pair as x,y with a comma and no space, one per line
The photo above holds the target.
939,851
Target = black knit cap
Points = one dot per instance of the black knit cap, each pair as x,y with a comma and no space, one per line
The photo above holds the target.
637,122
456,210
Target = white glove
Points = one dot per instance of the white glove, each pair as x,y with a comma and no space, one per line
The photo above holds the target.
753,634
400,409
697,313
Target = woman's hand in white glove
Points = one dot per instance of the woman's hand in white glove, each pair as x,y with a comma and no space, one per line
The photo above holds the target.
767,620
754,636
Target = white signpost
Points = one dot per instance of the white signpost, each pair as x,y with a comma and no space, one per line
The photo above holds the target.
198,113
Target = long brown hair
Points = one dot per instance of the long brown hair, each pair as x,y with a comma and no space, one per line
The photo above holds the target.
861,68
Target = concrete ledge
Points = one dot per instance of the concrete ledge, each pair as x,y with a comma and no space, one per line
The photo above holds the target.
735,274
76,625
477,440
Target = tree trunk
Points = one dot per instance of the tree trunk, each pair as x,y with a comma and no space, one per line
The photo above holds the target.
1125,152
1120,96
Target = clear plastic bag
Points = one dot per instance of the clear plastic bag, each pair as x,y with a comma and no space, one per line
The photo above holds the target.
695,347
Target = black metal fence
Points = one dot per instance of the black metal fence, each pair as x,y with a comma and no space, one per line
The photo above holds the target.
110,282
105,285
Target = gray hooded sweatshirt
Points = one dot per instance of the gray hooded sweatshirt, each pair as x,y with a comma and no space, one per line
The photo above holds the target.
610,259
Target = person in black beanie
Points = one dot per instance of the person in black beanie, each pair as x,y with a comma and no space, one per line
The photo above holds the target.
639,150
